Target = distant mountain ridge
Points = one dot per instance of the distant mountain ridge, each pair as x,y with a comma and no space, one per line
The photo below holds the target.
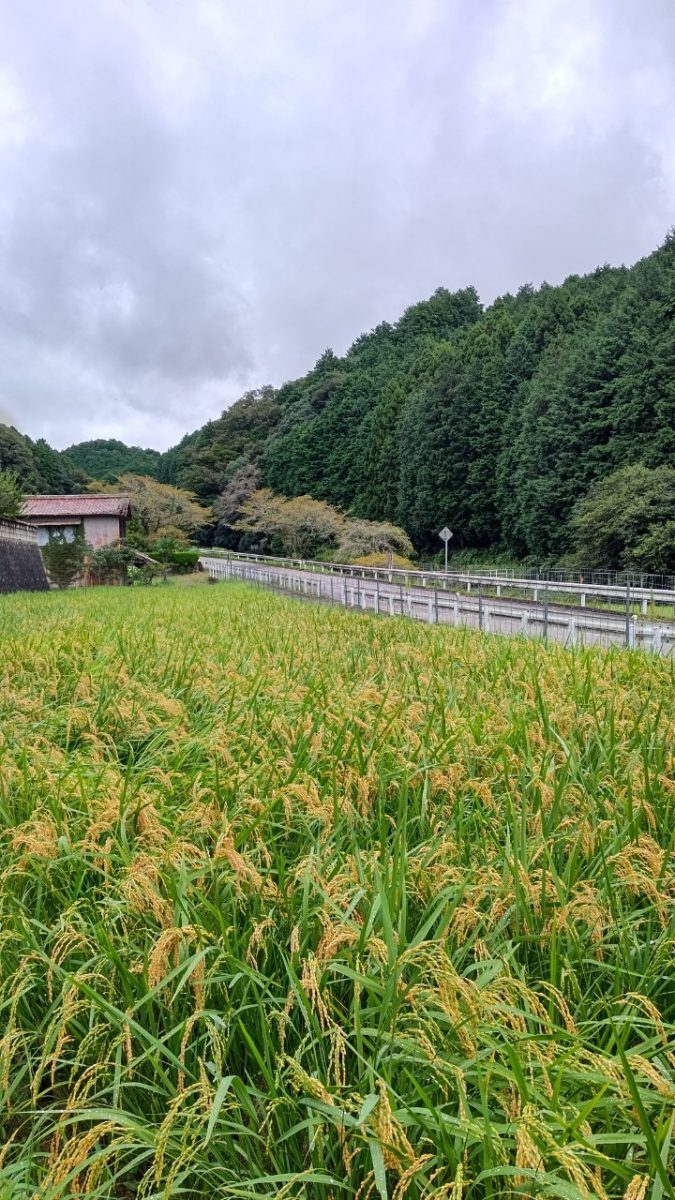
106,458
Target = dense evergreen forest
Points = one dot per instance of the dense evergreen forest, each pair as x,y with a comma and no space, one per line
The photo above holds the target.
106,458
495,420
36,465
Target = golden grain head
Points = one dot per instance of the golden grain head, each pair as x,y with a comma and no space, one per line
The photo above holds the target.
298,894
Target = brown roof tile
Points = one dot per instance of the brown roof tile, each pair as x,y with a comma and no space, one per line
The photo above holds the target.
87,505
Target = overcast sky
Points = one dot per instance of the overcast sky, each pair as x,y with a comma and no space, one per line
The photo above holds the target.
200,197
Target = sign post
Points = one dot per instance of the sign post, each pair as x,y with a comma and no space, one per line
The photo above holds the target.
446,534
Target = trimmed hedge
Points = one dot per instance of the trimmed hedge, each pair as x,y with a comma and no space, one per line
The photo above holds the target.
182,561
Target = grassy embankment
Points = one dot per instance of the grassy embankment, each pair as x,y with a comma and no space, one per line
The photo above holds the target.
301,902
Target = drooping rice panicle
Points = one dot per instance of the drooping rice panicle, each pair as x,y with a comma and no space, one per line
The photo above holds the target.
300,902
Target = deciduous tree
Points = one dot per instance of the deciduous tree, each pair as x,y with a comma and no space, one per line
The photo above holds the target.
303,526
157,506
359,538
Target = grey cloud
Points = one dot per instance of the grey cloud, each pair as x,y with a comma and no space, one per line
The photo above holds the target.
198,198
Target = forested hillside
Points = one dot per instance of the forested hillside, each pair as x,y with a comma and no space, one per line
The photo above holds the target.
495,420
38,468
106,458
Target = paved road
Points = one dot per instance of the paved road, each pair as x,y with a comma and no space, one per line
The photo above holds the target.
599,594
560,623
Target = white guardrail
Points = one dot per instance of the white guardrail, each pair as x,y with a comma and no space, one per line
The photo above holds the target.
468,581
450,600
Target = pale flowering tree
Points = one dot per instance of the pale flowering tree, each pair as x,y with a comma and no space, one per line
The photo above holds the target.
360,538
310,526
157,507
304,526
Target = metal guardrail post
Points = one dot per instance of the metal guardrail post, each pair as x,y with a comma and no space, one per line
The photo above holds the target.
586,582
546,613
622,627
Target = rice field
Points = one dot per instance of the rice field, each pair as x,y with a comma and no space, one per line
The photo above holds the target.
298,902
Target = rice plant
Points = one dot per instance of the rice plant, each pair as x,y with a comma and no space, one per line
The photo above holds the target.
299,902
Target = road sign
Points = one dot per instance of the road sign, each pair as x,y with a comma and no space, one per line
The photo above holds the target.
446,534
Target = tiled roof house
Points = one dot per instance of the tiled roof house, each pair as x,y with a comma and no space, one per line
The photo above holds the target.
102,518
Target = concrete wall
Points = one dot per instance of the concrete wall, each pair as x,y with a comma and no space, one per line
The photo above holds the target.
21,565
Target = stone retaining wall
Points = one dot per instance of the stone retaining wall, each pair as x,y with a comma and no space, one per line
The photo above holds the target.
21,565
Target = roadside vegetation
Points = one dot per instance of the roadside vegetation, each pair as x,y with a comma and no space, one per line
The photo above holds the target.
307,528
296,902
